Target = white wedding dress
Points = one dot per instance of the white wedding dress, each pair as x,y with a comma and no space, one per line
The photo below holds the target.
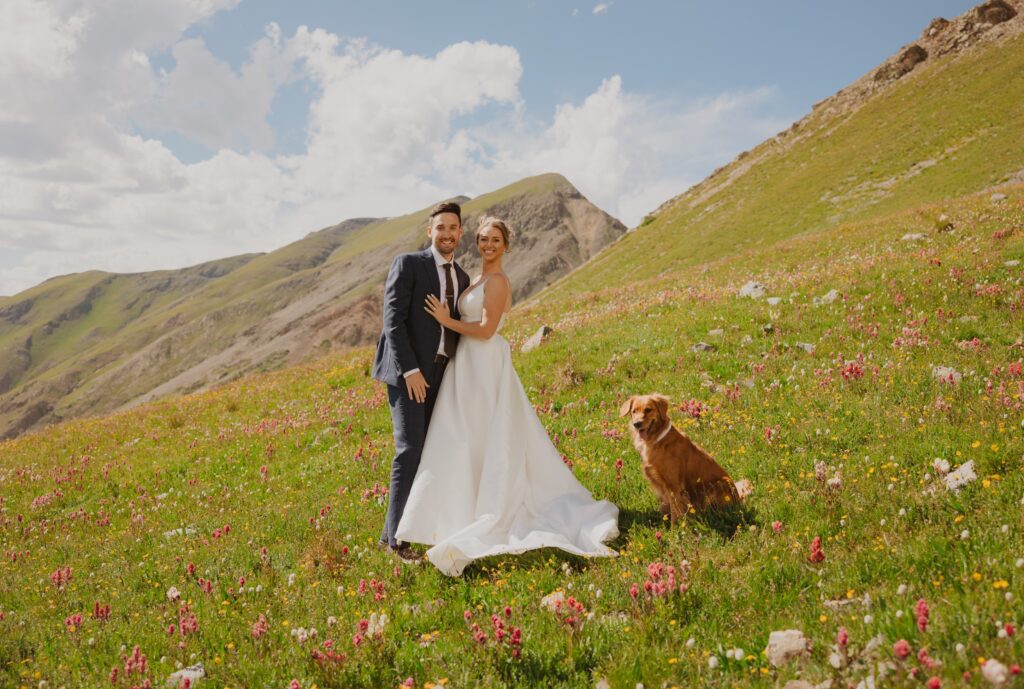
489,481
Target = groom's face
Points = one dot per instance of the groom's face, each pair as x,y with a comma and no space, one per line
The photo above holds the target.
445,232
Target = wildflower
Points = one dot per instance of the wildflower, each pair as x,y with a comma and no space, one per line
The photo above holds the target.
817,554
922,612
820,471
59,577
713,662
835,483
995,672
963,475
1009,629
901,649
73,622
934,683
842,638
260,627
98,612
173,594
776,526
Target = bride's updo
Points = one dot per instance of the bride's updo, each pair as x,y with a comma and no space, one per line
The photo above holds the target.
491,221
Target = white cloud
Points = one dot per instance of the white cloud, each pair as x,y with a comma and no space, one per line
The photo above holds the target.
205,100
602,7
35,40
81,189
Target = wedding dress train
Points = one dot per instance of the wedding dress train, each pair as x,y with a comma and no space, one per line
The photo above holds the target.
489,481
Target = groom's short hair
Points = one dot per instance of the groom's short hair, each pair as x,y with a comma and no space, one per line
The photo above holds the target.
446,207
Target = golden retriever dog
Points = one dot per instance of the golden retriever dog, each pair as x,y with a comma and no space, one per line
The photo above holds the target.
680,471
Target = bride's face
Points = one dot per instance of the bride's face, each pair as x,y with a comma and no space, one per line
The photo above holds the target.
491,244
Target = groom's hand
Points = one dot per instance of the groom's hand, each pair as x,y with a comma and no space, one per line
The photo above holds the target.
417,386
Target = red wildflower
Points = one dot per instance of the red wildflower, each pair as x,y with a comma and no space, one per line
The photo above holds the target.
817,554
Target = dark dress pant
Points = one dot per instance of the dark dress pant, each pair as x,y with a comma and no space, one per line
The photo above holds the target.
410,420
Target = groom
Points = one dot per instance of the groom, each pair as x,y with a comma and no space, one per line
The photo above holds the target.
414,351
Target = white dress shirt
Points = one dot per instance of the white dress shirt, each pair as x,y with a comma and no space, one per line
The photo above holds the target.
439,261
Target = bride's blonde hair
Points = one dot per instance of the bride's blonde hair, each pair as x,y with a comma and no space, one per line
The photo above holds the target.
491,221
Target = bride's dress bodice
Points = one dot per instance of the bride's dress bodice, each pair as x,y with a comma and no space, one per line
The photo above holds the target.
471,305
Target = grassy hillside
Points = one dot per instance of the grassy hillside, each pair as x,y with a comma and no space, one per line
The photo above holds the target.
275,480
952,126
95,342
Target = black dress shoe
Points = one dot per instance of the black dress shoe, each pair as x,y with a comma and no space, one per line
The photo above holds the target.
407,555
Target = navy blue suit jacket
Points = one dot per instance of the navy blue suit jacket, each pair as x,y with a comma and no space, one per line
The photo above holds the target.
410,336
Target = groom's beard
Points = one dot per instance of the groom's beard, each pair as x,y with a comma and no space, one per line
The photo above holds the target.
447,252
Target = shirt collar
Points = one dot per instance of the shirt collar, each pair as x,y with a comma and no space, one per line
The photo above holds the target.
438,258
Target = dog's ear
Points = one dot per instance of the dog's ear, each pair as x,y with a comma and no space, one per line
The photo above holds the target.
626,407
661,403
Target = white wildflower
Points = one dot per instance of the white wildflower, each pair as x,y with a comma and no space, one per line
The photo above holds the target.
713,662
377,624
963,475
995,672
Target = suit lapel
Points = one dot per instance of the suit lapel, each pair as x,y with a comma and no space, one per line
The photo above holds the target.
433,282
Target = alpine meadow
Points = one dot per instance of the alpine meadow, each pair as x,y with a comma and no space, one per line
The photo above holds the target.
837,316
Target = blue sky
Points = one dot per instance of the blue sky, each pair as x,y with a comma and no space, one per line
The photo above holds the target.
669,49
159,134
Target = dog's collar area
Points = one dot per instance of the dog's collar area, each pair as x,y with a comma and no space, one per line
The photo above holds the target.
663,434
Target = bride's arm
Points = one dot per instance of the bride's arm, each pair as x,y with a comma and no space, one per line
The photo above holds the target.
495,298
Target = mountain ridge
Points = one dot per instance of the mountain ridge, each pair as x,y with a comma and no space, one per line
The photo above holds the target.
95,341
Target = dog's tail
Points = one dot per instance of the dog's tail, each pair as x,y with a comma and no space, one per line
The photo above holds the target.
744,488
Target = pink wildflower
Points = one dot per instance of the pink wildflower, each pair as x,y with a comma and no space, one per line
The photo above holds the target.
817,554
921,610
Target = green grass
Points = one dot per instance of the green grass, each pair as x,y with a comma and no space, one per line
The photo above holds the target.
323,432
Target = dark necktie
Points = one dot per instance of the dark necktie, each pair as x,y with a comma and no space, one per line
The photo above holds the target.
449,296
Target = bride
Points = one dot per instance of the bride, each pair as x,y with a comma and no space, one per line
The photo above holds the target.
490,481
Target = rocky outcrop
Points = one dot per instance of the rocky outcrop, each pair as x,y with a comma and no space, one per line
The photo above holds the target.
908,58
993,20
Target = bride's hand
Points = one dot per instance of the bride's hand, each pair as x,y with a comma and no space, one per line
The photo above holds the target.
438,309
